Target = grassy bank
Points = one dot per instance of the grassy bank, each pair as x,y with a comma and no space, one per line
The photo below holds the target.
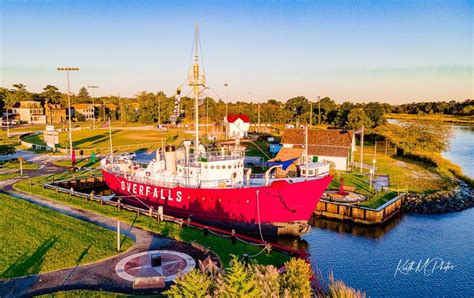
221,246
36,239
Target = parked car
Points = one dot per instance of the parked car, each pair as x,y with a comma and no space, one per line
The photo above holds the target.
127,155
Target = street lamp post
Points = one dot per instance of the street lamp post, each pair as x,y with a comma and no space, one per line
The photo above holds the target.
67,70
93,101
372,173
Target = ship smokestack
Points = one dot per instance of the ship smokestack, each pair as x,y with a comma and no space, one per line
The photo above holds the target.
187,146
170,159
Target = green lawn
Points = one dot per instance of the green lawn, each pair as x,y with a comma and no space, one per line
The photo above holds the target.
36,239
81,163
16,165
87,294
221,246
6,176
35,139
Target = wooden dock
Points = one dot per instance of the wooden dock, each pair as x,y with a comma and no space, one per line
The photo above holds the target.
360,214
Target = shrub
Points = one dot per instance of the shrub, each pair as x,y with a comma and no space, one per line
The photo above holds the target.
193,284
296,281
338,289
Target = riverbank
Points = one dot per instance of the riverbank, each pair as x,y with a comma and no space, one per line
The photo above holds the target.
458,198
464,120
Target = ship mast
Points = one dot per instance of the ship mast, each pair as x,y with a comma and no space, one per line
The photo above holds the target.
195,81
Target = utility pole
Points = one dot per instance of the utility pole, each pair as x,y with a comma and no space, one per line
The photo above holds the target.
8,126
93,101
361,147
310,113
319,110
258,118
67,70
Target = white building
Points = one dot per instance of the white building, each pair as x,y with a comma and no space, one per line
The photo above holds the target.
30,112
236,126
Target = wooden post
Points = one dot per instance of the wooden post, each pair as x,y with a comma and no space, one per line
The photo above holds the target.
386,142
118,235
118,204
160,213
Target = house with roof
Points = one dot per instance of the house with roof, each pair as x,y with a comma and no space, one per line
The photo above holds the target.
333,146
83,111
237,125
30,111
54,113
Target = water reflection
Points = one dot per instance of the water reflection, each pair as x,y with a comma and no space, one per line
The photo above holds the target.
359,230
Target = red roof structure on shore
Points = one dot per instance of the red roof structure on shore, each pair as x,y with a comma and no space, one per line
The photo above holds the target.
233,118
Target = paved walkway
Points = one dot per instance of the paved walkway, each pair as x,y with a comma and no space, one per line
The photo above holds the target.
97,276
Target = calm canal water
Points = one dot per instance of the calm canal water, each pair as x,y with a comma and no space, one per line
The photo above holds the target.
367,258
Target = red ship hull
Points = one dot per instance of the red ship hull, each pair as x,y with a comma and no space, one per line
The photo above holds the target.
280,208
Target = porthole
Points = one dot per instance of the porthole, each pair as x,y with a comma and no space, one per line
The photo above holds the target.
205,166
229,167
218,167
212,167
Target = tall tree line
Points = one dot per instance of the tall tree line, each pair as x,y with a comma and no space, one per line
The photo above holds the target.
149,108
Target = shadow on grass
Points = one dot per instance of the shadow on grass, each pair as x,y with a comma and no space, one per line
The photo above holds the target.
78,262
26,265
95,139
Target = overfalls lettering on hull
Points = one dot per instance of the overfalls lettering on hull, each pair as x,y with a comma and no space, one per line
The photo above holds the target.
147,191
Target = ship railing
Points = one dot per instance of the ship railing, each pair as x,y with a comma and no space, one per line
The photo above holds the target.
219,183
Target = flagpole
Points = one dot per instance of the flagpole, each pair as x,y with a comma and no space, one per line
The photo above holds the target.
110,141
306,150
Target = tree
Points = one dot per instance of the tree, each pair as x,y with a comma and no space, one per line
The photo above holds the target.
375,112
19,93
83,95
328,107
357,118
298,107
418,136
342,114
51,93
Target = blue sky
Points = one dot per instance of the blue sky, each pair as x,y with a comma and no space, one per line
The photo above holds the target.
395,51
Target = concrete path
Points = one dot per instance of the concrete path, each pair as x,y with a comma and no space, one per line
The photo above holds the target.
97,276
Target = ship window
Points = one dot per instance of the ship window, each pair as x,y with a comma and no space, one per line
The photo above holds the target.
218,167
205,166
212,167
235,167
229,167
